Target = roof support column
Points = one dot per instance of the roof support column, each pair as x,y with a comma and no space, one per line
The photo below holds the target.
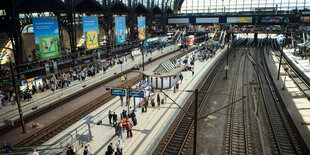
15,33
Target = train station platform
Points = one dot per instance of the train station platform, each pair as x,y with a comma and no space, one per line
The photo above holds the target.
296,103
302,64
15,135
151,126
43,99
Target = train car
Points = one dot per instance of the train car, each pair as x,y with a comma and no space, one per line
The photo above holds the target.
190,40
155,42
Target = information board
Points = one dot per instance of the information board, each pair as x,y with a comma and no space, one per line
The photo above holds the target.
207,20
178,20
118,92
134,93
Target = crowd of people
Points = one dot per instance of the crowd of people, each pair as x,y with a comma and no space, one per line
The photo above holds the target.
7,98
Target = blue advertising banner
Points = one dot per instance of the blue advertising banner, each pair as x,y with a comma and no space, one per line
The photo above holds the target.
120,29
141,28
91,32
46,34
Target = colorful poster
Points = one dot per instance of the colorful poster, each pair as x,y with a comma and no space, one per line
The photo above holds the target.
91,32
120,29
141,28
239,19
46,34
305,19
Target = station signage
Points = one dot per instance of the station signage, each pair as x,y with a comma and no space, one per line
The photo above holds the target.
134,93
118,92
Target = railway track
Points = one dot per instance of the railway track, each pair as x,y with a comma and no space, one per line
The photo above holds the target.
282,134
177,137
298,79
50,131
238,136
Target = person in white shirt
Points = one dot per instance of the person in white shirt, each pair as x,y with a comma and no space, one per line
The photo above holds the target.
34,151
119,146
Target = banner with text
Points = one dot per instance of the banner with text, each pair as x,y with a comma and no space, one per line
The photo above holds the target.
46,34
91,32
141,28
120,29
239,19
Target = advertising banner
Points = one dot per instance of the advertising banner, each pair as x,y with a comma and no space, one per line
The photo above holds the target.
141,28
239,19
273,19
120,29
91,32
46,34
305,19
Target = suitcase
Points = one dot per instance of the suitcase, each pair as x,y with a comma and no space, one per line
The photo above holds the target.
153,103
134,121
142,110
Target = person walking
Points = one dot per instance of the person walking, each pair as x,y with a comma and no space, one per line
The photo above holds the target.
110,149
158,99
110,117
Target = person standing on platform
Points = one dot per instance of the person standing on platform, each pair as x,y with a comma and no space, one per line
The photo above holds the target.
128,127
174,89
146,103
114,116
165,98
123,121
119,130
110,117
121,98
124,113
34,151
119,147
87,150
193,71
110,149
70,151
158,99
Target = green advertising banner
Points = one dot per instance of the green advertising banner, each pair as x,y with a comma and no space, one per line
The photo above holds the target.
46,34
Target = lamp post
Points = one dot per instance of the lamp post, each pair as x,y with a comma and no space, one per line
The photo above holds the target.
17,97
